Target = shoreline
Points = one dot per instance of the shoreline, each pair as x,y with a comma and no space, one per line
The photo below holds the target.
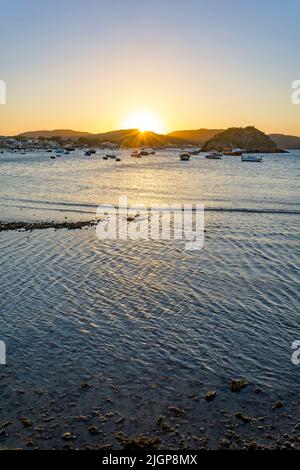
29,226
97,413
6,226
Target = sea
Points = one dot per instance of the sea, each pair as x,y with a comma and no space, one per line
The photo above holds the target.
147,315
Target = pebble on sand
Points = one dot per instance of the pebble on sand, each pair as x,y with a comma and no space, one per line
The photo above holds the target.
236,385
210,395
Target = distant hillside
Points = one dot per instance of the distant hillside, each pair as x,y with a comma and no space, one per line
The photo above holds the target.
248,138
289,142
124,137
63,133
197,137
212,139
134,138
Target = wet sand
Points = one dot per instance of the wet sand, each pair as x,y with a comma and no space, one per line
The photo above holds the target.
99,414
28,226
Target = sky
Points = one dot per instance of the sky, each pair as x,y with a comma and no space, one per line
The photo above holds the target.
99,65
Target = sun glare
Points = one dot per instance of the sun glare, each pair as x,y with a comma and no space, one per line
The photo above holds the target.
144,121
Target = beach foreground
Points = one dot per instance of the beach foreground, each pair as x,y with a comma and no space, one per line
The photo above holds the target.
119,345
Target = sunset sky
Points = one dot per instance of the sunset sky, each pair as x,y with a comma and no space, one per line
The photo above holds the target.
100,65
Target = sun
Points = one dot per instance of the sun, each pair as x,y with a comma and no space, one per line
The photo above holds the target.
144,121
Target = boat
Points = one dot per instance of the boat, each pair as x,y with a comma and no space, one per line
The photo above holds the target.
214,156
52,156
105,158
111,155
233,152
118,159
136,154
251,158
87,153
91,151
184,157
194,151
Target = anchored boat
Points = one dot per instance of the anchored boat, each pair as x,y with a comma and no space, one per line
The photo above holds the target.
214,156
194,151
251,158
233,152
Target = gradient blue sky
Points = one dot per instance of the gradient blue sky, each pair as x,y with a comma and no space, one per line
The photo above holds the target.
196,63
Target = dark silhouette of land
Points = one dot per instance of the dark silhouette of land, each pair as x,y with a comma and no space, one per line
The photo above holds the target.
248,138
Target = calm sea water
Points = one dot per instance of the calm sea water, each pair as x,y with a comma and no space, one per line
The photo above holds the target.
135,311
36,187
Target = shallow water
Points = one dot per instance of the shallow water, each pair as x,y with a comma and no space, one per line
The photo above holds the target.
144,312
135,309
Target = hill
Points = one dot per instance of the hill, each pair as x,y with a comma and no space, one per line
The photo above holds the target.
196,137
124,137
289,142
213,139
248,138
134,138
63,133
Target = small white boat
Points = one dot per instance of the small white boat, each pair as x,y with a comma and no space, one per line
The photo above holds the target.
251,158
214,156
184,157
136,154
195,151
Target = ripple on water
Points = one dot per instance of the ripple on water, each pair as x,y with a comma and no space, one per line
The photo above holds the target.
130,309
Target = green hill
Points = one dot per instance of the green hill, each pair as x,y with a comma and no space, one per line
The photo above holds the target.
248,138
